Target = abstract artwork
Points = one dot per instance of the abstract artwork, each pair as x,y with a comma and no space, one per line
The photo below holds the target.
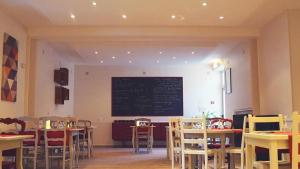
9,69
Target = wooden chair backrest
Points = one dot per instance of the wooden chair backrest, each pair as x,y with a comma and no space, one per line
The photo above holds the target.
143,122
193,132
72,122
253,120
57,132
220,123
174,132
295,140
32,128
15,122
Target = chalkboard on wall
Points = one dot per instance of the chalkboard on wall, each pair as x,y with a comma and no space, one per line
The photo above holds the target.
147,96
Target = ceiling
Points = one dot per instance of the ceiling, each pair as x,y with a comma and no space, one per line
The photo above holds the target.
158,16
146,13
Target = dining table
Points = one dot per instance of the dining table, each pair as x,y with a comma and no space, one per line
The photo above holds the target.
273,141
8,142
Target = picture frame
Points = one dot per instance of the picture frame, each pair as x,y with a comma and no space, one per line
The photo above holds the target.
228,81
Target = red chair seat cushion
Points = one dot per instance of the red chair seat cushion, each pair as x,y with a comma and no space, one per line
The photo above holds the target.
215,146
57,135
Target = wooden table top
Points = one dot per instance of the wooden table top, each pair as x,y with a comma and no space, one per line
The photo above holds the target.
4,137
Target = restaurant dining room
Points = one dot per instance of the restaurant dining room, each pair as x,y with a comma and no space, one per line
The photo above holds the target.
161,84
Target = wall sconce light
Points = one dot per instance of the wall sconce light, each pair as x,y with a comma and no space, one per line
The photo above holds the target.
218,65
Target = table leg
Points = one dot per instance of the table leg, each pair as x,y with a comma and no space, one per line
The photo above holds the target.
168,143
133,139
89,143
71,150
222,137
249,157
1,159
273,153
19,156
77,149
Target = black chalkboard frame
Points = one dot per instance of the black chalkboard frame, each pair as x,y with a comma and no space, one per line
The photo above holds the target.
179,106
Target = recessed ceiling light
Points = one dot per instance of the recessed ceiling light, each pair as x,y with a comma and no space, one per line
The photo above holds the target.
193,52
204,4
96,52
160,52
113,57
130,61
128,52
173,16
221,17
94,3
101,61
186,62
157,61
72,16
173,57
124,16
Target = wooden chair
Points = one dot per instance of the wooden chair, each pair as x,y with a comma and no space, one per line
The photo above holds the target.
9,126
193,133
253,123
238,150
174,140
295,141
31,146
56,141
85,140
143,134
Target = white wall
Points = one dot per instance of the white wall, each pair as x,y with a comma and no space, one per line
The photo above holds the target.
46,61
93,93
274,67
8,25
239,59
294,35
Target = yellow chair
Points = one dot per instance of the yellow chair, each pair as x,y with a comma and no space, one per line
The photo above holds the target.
295,140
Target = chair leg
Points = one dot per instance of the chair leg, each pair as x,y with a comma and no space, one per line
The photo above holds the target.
206,161
215,160
182,161
190,161
242,161
172,160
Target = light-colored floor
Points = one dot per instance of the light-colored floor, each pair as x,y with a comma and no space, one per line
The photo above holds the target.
124,158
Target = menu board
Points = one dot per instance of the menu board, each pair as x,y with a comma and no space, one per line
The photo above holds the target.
147,96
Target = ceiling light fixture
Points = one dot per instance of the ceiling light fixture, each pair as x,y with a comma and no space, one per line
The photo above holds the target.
173,16
128,52
130,61
124,16
113,57
221,17
157,61
204,4
174,57
101,61
94,3
186,62
193,52
160,52
72,16
96,52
